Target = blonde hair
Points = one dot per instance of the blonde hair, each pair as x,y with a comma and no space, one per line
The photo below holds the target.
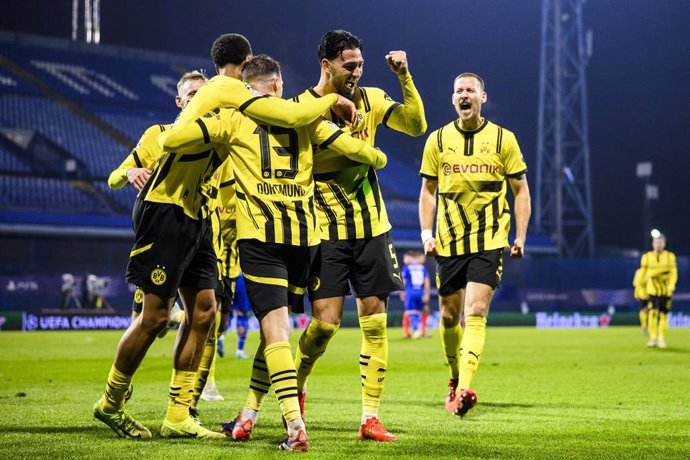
189,76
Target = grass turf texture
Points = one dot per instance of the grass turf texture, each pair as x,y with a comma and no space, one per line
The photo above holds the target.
542,394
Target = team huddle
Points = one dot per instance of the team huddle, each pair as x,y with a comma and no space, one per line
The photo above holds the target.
286,192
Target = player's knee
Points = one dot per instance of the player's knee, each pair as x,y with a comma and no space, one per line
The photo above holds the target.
477,308
153,323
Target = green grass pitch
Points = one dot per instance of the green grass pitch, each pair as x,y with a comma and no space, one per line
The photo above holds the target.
542,394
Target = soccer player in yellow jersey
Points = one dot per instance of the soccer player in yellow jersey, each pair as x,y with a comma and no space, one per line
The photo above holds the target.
659,274
356,247
640,294
137,167
276,222
467,162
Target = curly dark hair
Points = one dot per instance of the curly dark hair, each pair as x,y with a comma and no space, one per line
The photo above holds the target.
230,49
334,42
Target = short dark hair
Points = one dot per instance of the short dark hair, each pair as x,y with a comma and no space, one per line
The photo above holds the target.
230,49
260,66
472,75
334,42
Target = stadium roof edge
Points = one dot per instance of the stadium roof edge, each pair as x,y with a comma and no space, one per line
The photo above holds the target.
21,38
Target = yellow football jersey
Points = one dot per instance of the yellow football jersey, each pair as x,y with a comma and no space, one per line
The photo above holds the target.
659,273
348,195
272,168
471,168
145,155
221,206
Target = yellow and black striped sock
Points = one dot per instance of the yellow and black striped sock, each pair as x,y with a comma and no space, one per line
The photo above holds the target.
373,360
180,395
312,345
450,342
471,348
281,369
115,388
207,359
260,382
653,322
663,325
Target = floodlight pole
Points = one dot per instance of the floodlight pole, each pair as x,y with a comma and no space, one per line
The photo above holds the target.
563,198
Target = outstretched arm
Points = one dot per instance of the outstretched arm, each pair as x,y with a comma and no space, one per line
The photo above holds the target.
350,147
407,117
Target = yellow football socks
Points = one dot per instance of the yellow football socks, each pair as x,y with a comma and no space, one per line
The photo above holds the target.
260,382
115,389
281,369
202,375
180,395
643,318
312,345
663,325
373,359
471,349
450,341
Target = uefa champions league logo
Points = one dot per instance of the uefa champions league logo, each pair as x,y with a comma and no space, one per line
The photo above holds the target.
30,323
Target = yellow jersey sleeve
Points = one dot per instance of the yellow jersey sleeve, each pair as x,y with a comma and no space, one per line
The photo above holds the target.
407,117
227,92
429,167
145,155
513,161
214,127
673,274
327,135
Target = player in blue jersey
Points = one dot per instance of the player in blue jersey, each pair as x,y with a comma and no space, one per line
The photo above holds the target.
416,294
241,309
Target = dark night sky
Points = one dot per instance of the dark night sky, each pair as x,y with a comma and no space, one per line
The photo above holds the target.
638,77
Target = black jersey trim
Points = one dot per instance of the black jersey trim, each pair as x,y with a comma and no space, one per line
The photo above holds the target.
517,174
439,139
349,211
389,112
428,177
313,93
374,183
295,99
464,131
366,215
302,220
330,215
330,140
246,104
467,229
451,230
495,216
481,228
269,226
137,161
227,183
242,197
365,99
196,156
204,131
165,170
499,140
285,220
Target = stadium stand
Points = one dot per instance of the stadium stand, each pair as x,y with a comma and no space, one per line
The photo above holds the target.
93,103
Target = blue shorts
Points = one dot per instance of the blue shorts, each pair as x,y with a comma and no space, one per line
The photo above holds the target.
413,302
